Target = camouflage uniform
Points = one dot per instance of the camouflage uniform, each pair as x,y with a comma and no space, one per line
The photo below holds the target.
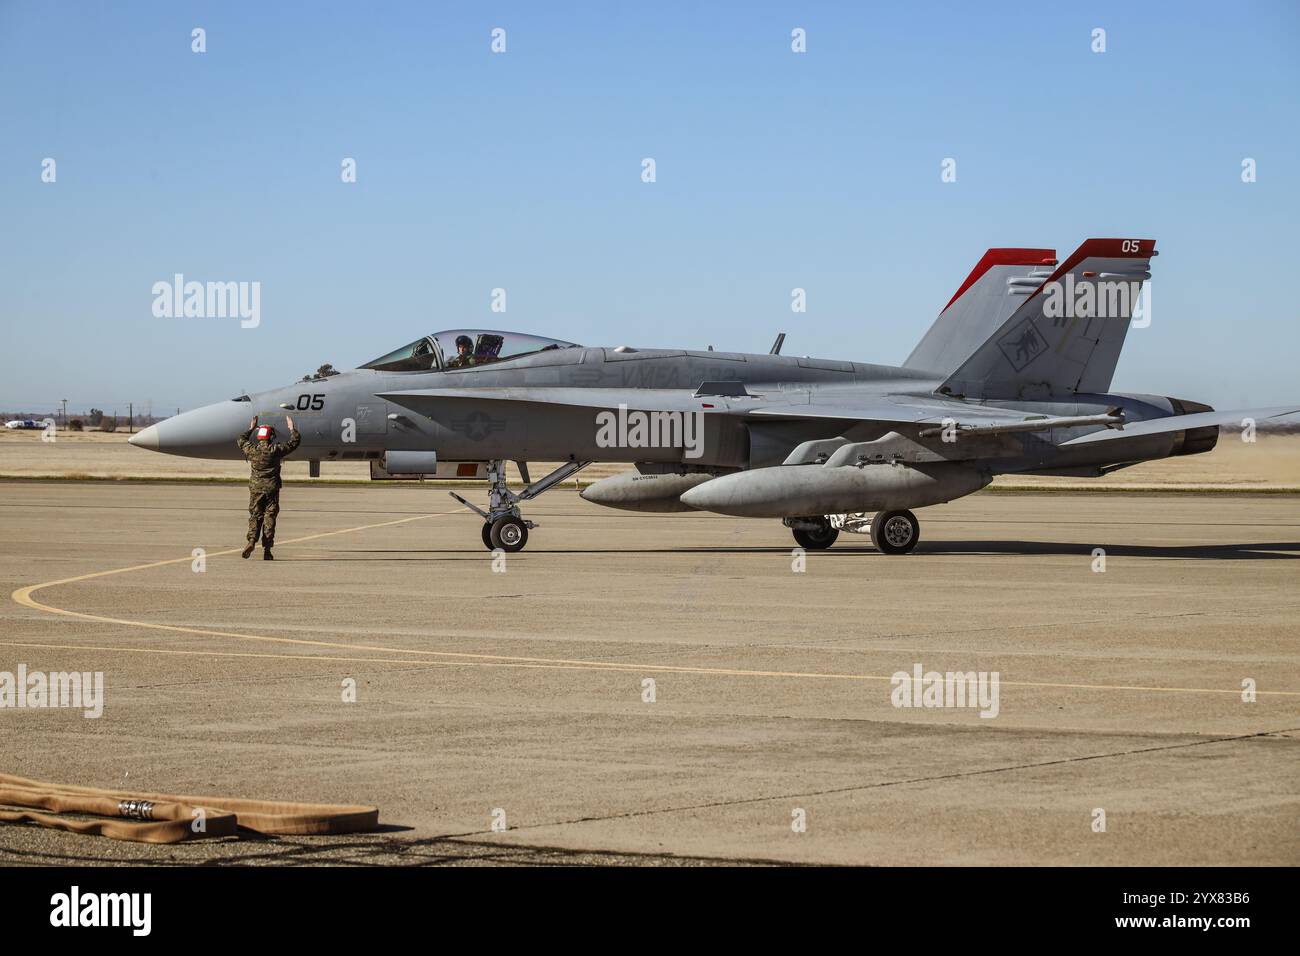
264,483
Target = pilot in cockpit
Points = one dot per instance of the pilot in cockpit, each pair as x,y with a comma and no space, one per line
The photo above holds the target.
464,357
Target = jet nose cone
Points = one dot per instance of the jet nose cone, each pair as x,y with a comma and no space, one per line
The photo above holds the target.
146,439
207,432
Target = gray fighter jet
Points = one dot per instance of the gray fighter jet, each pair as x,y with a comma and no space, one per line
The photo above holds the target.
1013,377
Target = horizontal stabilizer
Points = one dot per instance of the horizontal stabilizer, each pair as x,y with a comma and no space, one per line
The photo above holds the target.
1178,423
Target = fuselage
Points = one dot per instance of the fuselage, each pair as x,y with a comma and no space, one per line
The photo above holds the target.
342,417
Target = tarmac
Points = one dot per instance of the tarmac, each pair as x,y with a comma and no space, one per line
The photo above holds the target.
514,691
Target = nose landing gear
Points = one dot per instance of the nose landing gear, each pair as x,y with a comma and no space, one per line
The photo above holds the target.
504,526
508,533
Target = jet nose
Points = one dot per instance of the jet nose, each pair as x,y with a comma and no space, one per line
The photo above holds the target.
146,439
207,432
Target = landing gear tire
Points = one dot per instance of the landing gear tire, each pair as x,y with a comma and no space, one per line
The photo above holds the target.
509,534
895,532
503,527
818,539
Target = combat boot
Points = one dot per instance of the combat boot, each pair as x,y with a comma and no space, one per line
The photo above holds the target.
266,555
248,549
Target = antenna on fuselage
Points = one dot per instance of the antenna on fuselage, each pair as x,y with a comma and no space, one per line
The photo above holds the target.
776,346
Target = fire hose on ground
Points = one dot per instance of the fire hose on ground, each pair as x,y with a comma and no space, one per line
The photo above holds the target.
166,818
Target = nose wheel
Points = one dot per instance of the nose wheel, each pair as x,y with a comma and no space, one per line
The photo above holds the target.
508,533
504,526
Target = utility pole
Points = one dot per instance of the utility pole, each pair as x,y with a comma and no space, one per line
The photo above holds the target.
130,411
65,413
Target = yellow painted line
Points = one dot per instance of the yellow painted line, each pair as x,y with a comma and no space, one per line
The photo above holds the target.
115,648
24,597
243,654
545,663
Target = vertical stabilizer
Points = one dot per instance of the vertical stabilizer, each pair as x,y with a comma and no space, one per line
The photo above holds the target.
994,289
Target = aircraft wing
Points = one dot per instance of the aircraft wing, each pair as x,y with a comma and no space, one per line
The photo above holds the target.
927,416
1178,423
875,409
929,419
845,404
426,400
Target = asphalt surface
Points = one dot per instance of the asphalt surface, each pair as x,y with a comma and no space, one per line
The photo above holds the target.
521,690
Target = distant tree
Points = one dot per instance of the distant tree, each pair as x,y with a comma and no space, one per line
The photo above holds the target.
325,371
95,417
75,425
108,425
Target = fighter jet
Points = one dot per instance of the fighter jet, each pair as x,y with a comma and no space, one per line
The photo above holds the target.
1012,378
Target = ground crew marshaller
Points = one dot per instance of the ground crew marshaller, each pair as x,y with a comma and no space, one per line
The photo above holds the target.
264,454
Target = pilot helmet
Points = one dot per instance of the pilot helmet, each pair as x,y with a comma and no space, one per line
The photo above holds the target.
464,341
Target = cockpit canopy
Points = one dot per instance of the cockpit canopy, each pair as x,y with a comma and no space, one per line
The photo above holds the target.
463,349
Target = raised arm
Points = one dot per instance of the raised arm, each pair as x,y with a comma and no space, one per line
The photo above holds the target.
285,448
244,441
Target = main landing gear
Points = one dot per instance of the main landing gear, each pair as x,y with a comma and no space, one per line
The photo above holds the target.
814,533
503,526
892,532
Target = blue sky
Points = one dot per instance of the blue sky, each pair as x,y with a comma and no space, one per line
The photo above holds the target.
522,171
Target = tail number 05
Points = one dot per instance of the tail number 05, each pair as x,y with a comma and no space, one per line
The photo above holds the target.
311,403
